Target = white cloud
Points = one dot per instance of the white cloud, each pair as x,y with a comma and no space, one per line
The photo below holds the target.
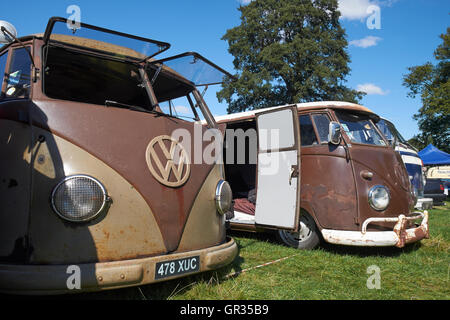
370,88
244,2
354,9
366,42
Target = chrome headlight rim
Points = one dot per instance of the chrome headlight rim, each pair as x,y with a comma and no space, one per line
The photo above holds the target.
370,196
105,199
218,196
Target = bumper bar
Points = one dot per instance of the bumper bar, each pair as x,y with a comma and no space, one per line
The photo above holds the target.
398,237
54,279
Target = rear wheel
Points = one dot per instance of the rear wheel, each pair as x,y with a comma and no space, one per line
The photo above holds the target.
306,238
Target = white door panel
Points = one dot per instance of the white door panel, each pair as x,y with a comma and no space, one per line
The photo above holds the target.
276,198
278,181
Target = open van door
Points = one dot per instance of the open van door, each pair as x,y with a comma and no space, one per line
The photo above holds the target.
278,174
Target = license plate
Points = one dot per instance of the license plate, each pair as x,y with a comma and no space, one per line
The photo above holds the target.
171,268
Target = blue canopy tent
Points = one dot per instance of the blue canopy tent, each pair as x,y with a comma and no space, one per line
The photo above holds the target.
433,156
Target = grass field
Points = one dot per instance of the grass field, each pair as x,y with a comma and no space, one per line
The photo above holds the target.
418,271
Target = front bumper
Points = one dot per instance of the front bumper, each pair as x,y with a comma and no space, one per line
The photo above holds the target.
53,279
398,237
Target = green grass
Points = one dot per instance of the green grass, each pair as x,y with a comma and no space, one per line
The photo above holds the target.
418,271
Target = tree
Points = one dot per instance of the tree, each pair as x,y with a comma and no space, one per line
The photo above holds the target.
287,51
432,83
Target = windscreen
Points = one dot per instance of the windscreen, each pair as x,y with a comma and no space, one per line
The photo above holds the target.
389,131
77,76
359,128
103,40
71,75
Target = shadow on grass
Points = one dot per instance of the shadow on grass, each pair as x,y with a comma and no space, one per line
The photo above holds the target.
333,248
369,251
268,236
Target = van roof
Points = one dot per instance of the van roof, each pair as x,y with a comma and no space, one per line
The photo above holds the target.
300,106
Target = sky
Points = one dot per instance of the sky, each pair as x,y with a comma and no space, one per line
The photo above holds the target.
385,38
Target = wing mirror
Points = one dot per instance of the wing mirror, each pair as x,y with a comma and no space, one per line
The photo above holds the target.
7,32
334,133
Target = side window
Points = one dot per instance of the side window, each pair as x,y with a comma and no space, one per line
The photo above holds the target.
307,134
3,59
322,125
18,79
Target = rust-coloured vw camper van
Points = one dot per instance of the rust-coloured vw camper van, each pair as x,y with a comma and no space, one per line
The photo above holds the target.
328,174
95,193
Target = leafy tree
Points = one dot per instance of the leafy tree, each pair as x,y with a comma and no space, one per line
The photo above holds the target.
287,51
432,83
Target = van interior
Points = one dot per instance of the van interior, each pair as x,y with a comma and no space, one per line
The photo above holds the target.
240,172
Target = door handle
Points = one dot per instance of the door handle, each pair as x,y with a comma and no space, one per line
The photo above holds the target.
294,173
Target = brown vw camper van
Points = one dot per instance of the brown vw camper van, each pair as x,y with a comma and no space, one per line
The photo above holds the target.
316,171
95,193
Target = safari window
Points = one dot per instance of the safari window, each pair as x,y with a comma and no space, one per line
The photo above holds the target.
3,59
307,133
322,123
75,76
18,78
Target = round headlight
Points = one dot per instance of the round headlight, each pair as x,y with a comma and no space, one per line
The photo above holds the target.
79,198
379,197
224,197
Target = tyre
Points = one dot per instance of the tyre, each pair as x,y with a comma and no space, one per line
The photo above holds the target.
306,238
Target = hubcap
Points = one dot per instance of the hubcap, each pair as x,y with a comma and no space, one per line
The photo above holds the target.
304,232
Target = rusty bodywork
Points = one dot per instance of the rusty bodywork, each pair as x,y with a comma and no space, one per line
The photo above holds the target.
46,138
336,179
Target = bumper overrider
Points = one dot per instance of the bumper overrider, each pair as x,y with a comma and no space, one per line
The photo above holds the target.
57,279
398,237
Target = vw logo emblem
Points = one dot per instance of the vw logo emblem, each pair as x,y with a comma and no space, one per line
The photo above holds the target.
168,161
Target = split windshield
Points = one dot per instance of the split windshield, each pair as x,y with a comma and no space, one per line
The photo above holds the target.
359,128
76,76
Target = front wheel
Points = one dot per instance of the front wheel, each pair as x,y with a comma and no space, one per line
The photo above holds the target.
306,238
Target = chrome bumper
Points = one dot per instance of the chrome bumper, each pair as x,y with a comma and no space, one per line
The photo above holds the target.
398,237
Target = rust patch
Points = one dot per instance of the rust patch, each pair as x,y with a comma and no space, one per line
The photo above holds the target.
408,236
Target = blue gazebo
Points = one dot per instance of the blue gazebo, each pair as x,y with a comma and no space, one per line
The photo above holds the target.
432,156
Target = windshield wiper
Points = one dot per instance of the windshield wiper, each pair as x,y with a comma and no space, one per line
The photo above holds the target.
110,103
